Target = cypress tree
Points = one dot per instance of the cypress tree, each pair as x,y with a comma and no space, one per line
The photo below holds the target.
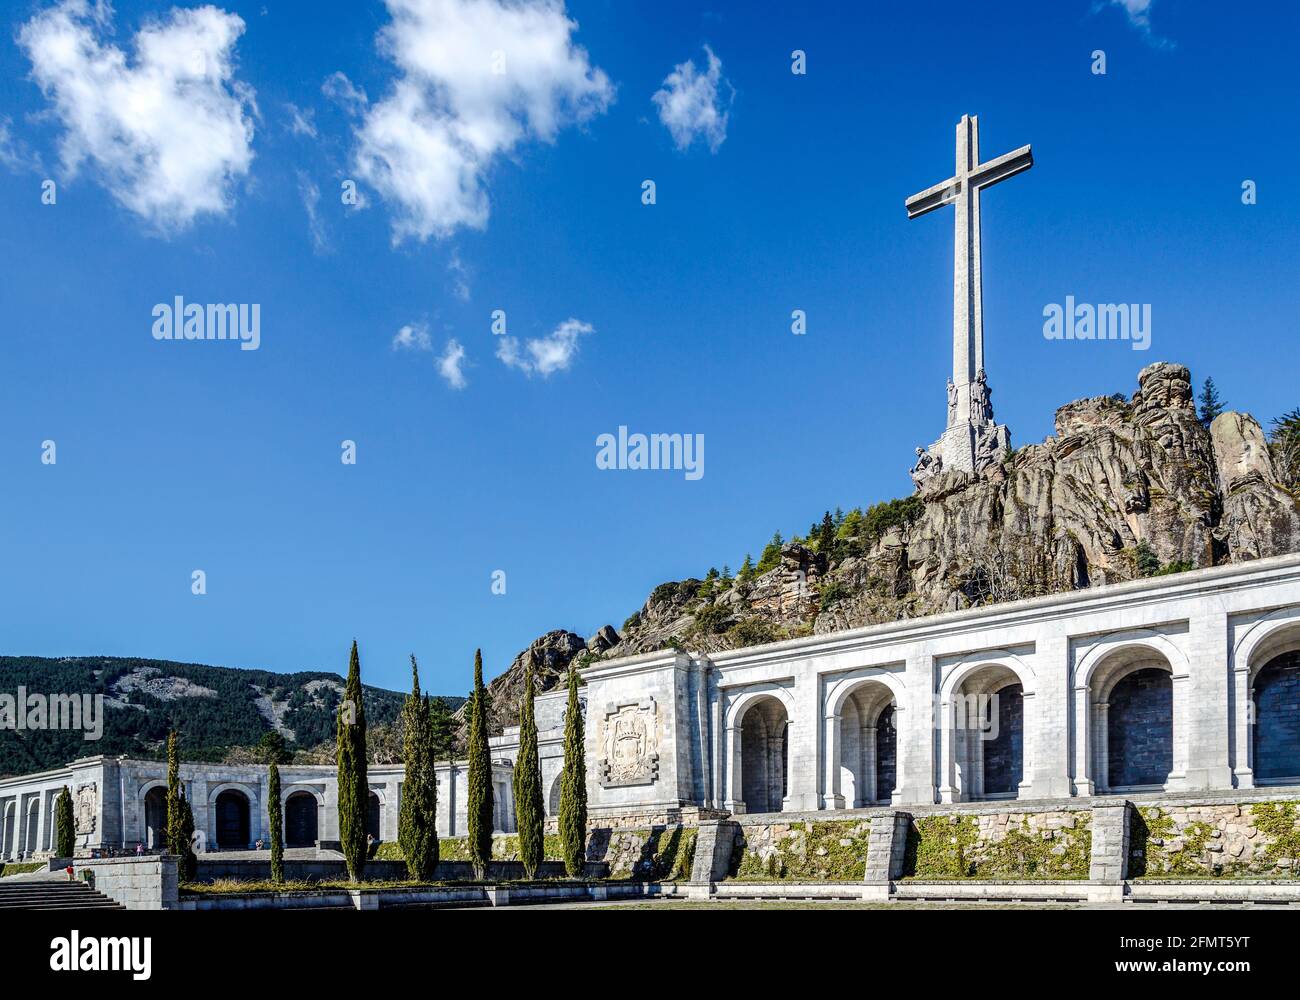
479,795
354,788
63,822
277,823
417,832
529,809
189,860
573,784
174,838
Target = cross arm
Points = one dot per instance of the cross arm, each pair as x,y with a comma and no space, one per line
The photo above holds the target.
1002,167
943,193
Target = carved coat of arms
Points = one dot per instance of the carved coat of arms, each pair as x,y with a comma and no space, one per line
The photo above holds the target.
630,745
87,810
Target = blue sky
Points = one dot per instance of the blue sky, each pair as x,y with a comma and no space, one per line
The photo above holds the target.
176,456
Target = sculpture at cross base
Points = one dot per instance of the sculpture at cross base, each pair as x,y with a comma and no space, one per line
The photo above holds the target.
972,440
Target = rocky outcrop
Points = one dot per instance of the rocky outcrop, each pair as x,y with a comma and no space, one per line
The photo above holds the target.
1258,514
1124,488
549,656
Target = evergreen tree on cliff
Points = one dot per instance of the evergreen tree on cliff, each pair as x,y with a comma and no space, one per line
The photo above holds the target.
573,784
417,832
174,837
479,801
63,824
354,789
529,810
277,822
1211,404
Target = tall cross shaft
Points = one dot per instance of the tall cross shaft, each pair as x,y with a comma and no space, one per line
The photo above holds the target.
962,191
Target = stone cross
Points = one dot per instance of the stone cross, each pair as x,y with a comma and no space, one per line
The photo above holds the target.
962,190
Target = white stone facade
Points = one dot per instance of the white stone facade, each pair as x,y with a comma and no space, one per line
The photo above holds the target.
791,726
1210,631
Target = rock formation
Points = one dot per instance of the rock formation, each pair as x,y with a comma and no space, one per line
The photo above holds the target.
1124,488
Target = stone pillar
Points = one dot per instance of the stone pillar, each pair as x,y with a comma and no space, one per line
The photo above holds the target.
832,794
1083,777
388,828
732,801
802,733
1243,726
917,724
1209,727
1051,721
1108,866
886,846
714,842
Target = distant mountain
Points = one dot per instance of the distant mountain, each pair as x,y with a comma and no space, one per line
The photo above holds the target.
215,709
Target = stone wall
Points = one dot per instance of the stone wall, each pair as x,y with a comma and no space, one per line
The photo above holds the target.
150,883
1213,840
1050,845
834,851
655,854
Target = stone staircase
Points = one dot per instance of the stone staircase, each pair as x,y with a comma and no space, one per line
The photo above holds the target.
52,894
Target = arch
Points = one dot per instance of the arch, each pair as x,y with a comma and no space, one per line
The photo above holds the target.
301,819
1256,645
741,703
985,705
1259,642
1275,731
9,829
1151,719
860,740
553,796
153,801
1131,750
375,815
763,754
233,819
33,825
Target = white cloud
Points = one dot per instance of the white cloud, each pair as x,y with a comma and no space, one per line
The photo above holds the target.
451,364
477,78
339,89
460,277
544,355
15,154
166,131
302,121
413,337
309,191
1138,13
691,103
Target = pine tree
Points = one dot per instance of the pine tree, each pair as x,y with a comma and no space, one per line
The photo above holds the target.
1211,404
174,838
417,832
771,557
479,795
354,788
746,574
529,808
573,784
277,822
64,825
826,536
